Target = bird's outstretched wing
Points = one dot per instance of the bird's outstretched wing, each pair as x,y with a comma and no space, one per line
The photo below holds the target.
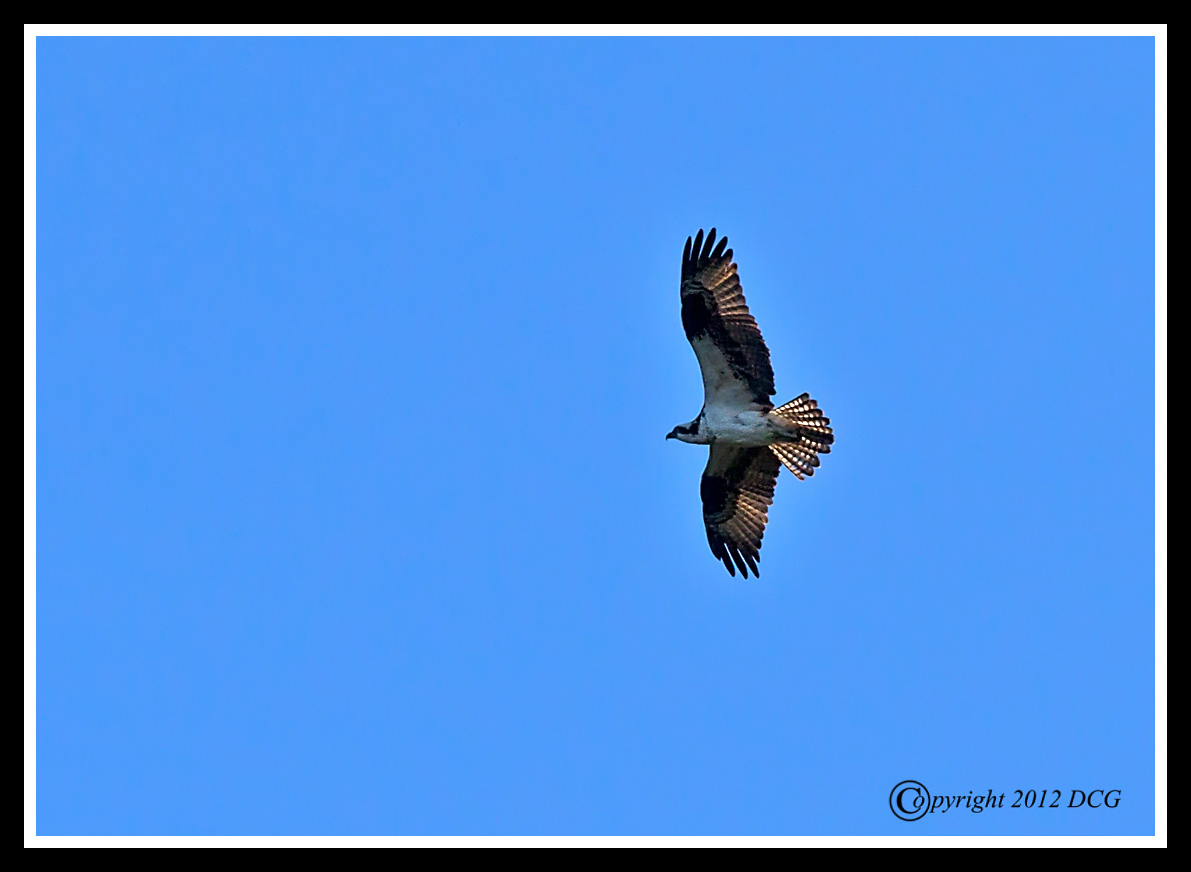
732,355
737,491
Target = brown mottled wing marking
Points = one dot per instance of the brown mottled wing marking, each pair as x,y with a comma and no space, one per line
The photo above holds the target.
713,308
737,491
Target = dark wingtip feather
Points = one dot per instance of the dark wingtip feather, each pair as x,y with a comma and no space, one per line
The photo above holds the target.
735,552
705,256
703,250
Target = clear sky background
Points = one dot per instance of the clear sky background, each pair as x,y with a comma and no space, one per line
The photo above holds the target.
356,356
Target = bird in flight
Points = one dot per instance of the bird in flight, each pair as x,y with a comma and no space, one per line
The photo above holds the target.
750,439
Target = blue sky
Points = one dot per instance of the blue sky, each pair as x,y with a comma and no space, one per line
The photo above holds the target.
355,359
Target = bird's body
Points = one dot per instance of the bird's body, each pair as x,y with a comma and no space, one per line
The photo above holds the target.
742,427
750,439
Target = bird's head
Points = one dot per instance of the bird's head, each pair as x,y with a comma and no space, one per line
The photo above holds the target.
687,433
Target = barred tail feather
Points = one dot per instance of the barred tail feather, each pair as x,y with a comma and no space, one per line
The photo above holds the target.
810,436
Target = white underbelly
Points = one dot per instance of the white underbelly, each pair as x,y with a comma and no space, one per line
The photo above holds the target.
739,428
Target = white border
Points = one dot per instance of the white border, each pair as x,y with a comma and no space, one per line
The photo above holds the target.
1160,448
597,30
1158,31
30,562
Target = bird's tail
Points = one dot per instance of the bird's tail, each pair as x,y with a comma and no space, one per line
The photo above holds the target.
809,435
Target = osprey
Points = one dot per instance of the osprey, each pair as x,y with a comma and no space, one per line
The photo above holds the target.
750,440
